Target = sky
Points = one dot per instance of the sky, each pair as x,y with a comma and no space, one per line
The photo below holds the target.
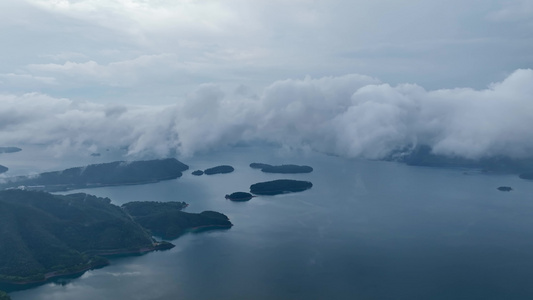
348,77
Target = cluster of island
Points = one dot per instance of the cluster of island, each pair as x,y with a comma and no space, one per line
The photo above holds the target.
274,187
46,235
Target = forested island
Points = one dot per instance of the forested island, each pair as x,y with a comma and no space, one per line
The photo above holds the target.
97,175
9,149
45,236
282,169
219,170
3,169
197,173
168,221
280,186
505,188
239,196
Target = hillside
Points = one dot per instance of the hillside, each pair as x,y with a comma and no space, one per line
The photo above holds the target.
45,235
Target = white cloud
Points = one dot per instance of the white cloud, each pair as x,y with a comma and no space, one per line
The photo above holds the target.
352,116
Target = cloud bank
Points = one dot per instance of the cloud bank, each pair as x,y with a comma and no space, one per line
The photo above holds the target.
351,116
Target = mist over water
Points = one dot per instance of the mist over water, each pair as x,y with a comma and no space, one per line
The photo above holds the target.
367,229
350,116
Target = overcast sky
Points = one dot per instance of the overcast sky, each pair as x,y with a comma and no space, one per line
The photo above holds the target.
335,62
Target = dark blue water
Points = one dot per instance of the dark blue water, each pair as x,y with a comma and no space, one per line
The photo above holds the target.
366,230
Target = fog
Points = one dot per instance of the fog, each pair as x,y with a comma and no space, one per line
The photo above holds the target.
350,116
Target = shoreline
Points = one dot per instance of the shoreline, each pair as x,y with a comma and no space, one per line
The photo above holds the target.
21,284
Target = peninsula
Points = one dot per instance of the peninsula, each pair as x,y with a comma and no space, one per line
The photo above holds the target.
45,236
423,155
168,221
98,175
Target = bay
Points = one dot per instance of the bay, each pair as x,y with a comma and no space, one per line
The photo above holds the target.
366,230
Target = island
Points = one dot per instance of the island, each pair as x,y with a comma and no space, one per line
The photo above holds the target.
168,221
239,196
505,188
98,175
9,149
198,173
280,186
219,170
259,165
95,154
46,236
282,169
3,169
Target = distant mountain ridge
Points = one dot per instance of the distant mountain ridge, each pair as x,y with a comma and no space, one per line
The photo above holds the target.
423,156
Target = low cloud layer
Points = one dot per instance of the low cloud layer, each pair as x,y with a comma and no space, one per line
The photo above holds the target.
351,116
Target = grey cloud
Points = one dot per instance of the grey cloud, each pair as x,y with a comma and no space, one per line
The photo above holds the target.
352,116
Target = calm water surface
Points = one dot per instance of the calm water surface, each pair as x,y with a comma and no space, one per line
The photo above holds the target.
366,230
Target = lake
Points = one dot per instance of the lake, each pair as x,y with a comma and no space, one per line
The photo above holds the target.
366,230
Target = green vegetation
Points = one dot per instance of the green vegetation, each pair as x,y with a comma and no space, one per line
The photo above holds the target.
282,169
3,169
45,235
97,175
4,296
219,170
168,221
239,196
280,186
9,149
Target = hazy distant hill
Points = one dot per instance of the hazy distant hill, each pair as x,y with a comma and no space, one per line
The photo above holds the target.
114,173
3,169
423,156
9,149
